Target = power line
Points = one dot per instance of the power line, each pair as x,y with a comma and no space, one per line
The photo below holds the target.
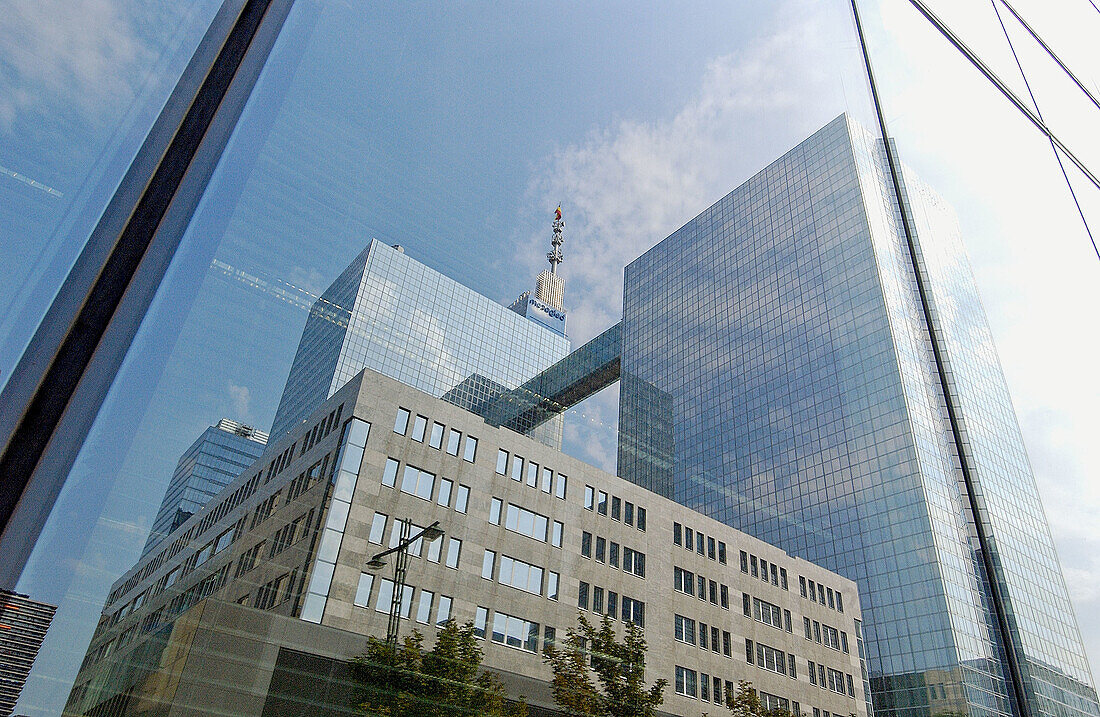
1035,102
1002,87
1049,51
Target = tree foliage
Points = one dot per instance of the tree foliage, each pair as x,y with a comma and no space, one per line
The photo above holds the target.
745,702
618,667
447,680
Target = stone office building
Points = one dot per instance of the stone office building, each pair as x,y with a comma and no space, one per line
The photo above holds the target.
268,582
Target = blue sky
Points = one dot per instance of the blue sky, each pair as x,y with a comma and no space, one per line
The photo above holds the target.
455,130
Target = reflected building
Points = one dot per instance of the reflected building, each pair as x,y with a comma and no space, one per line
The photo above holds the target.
23,626
394,315
835,391
210,464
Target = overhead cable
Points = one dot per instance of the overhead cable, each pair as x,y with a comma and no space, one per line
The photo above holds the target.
1035,102
1002,88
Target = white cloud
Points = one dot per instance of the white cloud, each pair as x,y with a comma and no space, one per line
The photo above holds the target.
626,187
240,398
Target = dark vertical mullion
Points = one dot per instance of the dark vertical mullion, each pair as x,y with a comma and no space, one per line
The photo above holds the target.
60,382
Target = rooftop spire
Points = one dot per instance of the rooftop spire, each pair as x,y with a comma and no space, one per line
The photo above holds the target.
555,256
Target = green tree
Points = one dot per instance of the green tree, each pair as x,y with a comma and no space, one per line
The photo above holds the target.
445,681
746,703
619,669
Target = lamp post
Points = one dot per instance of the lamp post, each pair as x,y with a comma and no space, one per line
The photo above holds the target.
400,568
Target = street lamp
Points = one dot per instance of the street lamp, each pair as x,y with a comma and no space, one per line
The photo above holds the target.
400,568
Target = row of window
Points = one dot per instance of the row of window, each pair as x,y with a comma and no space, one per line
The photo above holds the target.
422,484
625,511
541,478
761,568
526,522
290,533
700,685
689,583
435,438
633,561
821,594
511,630
765,612
769,658
829,679
384,600
520,574
825,635
629,610
702,544
709,637
417,547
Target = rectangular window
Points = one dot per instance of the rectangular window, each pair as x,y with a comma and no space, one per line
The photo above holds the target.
453,439
746,604
713,592
502,462
435,440
517,468
717,693
532,474
378,528
832,602
685,629
628,513
612,604
744,562
764,569
487,563
754,566
830,637
802,585
633,611
586,544
417,482
552,580
727,647
389,475
750,653
775,573
685,681
525,522
462,497
546,481
821,674
852,689
385,598
362,592
783,578
677,538
689,538
813,676
700,543
495,506
712,548
821,593
515,632
559,489
481,617
420,425
424,607
616,508
446,485
725,596
454,547
702,585
817,631
520,575
704,633
597,600
469,454
589,497
555,538
771,659
813,591
601,546
601,502
721,552
790,666
443,611
401,423
839,602
435,547
549,636
787,620
767,613
843,641
808,628
582,596
613,554
634,562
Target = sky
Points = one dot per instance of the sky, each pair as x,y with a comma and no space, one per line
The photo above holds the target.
455,133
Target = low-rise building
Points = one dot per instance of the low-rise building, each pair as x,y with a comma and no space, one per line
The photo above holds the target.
268,585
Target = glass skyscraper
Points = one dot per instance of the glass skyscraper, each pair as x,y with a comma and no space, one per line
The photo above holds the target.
392,314
779,374
216,457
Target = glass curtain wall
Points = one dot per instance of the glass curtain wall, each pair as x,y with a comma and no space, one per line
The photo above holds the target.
452,132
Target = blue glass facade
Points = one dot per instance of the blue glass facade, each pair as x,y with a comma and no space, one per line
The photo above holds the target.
213,461
392,314
778,374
